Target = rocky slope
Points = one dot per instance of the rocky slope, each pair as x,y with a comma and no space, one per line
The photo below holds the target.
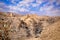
29,27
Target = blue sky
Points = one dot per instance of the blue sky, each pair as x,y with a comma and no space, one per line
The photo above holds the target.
40,7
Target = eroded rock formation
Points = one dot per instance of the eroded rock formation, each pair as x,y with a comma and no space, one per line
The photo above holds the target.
29,27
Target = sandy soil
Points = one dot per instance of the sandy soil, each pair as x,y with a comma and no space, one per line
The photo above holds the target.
29,27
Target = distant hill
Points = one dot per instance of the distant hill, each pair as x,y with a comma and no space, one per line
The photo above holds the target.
29,27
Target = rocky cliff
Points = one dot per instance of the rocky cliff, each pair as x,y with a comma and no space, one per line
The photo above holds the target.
29,27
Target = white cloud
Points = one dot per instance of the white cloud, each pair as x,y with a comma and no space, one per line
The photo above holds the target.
28,1
58,1
34,4
39,1
13,7
0,8
24,6
3,7
2,4
23,10
50,10
46,8
14,1
51,1
17,8
24,3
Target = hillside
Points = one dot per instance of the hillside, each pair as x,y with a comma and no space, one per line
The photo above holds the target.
29,27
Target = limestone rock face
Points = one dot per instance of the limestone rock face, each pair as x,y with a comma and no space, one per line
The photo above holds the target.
29,27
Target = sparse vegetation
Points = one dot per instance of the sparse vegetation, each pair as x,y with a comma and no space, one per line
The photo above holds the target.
11,28
51,20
